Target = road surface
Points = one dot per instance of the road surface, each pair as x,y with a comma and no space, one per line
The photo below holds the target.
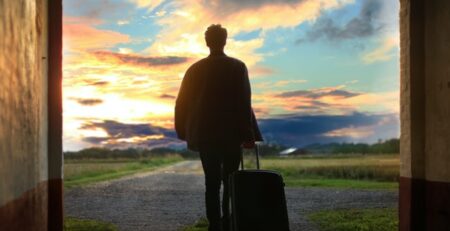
171,198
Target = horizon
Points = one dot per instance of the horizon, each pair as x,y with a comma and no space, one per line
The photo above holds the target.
308,147
124,62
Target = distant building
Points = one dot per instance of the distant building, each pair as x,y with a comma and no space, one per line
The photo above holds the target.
292,151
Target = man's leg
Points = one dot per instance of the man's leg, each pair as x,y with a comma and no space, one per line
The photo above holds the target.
211,163
231,160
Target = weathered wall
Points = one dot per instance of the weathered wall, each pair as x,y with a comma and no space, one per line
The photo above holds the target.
437,114
23,117
437,87
425,115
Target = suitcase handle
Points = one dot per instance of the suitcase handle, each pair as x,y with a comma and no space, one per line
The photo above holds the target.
257,157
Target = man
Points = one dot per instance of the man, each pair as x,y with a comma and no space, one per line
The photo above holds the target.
213,114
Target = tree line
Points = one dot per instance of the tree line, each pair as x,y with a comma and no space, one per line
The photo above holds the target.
131,153
387,146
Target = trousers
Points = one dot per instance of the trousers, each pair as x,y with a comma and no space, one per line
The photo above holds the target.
218,162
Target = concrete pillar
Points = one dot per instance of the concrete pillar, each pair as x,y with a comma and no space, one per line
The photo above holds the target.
425,115
31,116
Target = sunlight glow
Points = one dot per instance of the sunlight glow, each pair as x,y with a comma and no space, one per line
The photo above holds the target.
136,139
125,65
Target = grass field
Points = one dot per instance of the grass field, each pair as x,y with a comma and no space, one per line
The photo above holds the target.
76,224
348,171
342,171
382,219
85,171
379,219
200,225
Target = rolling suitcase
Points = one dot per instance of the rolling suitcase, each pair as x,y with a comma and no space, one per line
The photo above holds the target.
258,201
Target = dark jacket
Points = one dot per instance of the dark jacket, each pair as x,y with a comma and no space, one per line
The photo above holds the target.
214,104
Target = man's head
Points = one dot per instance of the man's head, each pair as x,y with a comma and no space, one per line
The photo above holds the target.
216,37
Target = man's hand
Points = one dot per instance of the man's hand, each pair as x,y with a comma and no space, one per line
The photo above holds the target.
248,144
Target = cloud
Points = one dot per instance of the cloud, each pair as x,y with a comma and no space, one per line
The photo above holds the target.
138,60
80,35
314,105
105,9
315,94
167,96
351,131
123,135
149,4
270,14
384,52
376,19
291,130
261,71
123,22
298,131
278,84
364,25
183,27
161,13
361,132
328,100
123,130
224,7
99,83
88,102
283,83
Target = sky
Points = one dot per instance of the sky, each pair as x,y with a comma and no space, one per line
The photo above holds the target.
320,70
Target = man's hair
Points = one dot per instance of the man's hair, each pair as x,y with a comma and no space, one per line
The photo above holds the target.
216,36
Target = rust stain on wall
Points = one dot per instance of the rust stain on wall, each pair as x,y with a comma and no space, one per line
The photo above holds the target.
27,212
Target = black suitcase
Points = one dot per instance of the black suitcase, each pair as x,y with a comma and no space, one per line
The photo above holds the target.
258,202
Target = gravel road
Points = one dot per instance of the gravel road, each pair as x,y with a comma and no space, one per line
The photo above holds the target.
172,197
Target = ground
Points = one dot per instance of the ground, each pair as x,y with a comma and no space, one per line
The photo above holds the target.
172,197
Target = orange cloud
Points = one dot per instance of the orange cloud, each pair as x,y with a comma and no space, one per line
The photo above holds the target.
183,29
80,34
260,71
352,131
330,100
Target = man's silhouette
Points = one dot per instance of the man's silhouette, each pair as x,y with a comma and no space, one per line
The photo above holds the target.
213,114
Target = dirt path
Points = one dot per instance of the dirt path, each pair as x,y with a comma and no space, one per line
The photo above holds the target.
172,197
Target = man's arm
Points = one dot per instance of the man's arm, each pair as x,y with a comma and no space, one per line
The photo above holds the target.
244,107
181,106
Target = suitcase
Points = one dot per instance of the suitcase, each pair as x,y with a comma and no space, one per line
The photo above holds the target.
258,202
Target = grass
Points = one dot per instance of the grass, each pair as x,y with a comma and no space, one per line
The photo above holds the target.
76,224
81,172
381,219
339,171
200,225
340,183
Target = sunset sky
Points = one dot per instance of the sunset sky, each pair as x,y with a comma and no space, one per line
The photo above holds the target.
321,70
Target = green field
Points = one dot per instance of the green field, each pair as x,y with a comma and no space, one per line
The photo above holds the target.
200,225
85,171
341,171
382,219
76,224
379,219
